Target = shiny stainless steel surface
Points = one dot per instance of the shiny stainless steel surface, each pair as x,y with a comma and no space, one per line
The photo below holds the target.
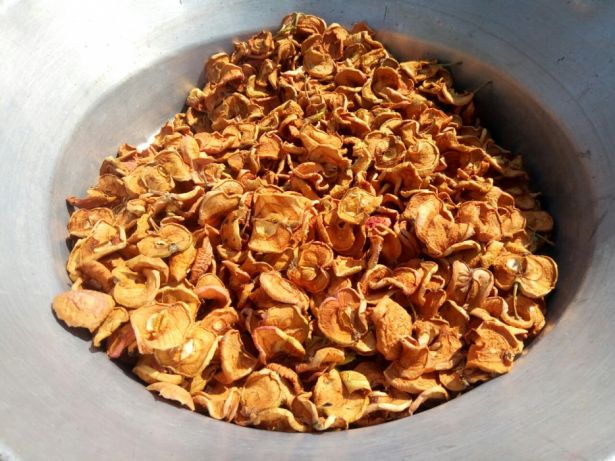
78,78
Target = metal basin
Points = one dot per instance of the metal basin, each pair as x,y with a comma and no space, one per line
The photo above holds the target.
80,78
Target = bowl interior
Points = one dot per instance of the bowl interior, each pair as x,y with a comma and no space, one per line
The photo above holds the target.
134,106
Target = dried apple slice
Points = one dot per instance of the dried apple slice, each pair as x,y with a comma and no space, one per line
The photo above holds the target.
83,308
235,361
173,392
333,398
160,326
170,239
392,323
